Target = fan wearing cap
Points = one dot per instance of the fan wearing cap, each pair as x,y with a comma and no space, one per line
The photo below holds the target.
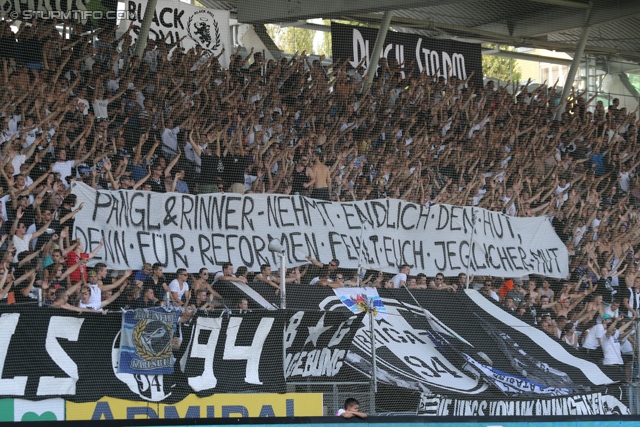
127,182
593,335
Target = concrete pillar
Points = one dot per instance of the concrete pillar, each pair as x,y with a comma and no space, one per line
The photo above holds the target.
141,43
576,62
377,48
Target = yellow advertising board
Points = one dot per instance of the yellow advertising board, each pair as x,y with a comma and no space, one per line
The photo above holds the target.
216,406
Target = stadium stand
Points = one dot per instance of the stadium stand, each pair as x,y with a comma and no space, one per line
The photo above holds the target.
177,123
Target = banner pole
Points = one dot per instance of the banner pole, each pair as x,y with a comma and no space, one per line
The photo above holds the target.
473,231
141,43
283,283
636,356
374,377
358,276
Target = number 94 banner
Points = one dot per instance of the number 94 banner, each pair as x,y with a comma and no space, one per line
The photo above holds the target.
146,342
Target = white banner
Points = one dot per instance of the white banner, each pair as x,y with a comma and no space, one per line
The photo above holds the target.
208,28
180,230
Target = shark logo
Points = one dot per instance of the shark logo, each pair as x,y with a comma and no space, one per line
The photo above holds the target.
151,388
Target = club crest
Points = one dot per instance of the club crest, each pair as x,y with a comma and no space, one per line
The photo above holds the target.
204,29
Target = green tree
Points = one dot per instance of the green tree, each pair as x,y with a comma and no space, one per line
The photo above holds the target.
501,68
325,46
291,39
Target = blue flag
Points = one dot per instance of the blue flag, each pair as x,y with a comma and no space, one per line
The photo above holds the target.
145,341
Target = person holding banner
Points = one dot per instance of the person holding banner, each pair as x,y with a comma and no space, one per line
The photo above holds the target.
265,277
227,274
438,284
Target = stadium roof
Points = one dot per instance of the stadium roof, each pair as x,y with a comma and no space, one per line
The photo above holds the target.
543,24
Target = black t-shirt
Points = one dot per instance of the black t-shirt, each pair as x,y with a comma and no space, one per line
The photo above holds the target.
158,290
17,292
62,212
605,289
298,179
45,237
234,167
157,187
139,303
630,294
211,167
537,312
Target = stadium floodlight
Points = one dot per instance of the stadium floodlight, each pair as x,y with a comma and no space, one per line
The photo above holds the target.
277,248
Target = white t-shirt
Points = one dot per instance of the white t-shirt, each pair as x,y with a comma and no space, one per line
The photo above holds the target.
625,179
315,280
591,343
174,286
625,346
89,305
564,189
399,278
18,161
96,296
64,169
21,245
100,108
611,349
170,141
218,275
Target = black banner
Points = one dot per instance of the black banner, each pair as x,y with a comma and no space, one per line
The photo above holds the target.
54,353
449,353
317,344
462,346
414,53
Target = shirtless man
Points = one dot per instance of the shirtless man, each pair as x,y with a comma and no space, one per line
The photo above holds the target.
319,180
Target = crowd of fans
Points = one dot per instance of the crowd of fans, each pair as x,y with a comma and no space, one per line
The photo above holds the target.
85,108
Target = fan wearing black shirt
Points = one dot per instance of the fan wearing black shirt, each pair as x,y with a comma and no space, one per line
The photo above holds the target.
157,282
235,164
211,165
147,299
543,308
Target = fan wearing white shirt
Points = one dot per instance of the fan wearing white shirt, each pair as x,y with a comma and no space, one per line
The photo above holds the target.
100,103
401,278
170,139
64,166
179,288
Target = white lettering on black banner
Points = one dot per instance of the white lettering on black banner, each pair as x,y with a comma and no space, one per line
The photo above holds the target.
208,230
413,54
583,404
